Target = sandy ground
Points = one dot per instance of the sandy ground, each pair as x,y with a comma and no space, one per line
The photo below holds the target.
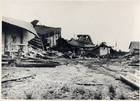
74,79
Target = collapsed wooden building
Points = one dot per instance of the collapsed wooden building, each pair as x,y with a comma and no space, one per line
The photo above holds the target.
102,50
15,36
77,47
20,36
84,47
17,48
81,46
48,36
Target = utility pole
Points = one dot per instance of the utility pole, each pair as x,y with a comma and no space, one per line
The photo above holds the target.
74,36
116,45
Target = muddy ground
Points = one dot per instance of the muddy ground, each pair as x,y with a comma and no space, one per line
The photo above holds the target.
73,79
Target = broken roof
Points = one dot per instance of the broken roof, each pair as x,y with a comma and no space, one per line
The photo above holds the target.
134,45
76,43
22,24
48,31
103,44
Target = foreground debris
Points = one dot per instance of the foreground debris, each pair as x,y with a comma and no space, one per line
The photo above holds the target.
74,79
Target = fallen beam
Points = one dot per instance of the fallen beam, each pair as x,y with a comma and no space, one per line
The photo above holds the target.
89,84
37,64
18,79
130,82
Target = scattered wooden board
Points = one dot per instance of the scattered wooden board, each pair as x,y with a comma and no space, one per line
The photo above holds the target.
18,79
89,84
128,80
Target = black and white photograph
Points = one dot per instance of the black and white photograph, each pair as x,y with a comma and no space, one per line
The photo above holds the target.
70,50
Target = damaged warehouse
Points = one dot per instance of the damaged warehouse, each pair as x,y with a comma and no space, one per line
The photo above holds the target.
15,37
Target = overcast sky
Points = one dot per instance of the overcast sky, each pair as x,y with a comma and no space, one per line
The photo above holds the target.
110,21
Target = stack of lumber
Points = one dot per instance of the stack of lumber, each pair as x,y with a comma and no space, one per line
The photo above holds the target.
6,60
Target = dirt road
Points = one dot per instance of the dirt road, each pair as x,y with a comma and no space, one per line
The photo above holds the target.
74,79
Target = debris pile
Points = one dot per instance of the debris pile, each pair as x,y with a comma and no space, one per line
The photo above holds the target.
75,80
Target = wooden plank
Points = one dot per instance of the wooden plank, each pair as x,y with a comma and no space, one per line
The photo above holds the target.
37,64
4,63
89,84
18,79
130,82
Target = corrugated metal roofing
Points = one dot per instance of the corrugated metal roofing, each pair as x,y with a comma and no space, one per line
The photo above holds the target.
22,24
47,31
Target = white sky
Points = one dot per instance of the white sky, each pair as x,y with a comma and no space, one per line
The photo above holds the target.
104,20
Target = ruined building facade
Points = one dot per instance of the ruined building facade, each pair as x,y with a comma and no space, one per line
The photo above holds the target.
15,36
48,36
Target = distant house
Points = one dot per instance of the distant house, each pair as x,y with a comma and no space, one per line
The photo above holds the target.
134,47
82,45
48,35
102,50
15,35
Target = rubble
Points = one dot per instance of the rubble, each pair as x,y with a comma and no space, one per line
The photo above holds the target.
67,80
